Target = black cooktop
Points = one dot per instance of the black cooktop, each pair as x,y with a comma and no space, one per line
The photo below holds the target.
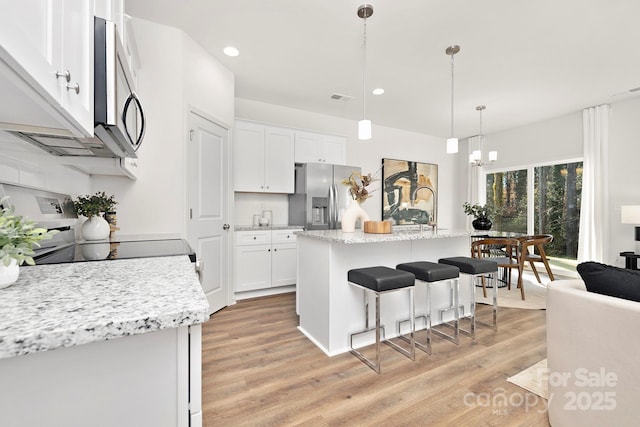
79,252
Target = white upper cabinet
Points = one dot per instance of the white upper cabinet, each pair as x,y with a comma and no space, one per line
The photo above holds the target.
46,66
279,171
313,147
77,55
263,158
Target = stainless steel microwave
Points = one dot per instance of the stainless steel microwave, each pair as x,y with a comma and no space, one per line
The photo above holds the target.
119,120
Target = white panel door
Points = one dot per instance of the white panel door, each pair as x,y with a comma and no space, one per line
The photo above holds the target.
208,227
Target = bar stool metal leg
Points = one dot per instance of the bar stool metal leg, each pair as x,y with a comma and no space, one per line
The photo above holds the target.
455,324
380,333
454,305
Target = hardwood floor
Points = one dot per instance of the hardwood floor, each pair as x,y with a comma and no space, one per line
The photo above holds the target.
259,370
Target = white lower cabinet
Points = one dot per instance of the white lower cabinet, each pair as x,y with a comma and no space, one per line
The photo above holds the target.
265,259
149,379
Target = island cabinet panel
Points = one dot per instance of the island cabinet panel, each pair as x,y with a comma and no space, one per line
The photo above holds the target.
330,308
263,158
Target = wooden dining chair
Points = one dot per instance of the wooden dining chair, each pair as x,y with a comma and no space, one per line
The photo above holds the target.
538,254
504,251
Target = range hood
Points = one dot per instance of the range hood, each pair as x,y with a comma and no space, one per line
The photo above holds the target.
66,146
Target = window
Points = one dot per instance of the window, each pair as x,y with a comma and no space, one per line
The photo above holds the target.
555,208
557,192
507,197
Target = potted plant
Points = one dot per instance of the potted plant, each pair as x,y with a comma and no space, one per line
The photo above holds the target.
480,214
18,236
94,207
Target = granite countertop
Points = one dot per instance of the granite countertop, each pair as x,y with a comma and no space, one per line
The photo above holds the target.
265,228
409,233
62,305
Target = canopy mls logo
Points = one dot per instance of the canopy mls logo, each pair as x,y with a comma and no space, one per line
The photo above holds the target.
588,390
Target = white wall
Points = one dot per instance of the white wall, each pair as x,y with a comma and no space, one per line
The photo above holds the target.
385,143
624,174
153,202
556,139
175,73
23,164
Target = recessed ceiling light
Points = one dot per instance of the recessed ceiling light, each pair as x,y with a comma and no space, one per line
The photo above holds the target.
231,51
378,91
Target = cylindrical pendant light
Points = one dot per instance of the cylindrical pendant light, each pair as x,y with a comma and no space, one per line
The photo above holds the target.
364,125
452,141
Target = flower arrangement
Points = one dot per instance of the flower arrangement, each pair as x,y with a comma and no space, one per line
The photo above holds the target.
18,236
478,211
358,184
94,205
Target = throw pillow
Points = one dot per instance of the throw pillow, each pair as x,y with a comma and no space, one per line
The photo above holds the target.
609,280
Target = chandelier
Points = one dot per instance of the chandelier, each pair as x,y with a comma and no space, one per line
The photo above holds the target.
476,157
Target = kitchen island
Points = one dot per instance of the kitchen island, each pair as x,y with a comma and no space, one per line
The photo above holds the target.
330,309
103,343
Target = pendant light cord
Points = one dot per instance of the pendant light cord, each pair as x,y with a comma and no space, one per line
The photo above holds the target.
364,72
451,96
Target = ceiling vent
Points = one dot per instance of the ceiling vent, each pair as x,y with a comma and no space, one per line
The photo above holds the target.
341,97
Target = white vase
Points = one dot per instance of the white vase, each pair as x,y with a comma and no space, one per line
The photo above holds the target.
95,228
9,273
351,215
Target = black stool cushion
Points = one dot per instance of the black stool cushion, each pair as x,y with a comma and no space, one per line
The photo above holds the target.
471,265
381,279
430,271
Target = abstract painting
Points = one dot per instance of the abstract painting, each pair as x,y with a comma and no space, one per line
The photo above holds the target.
409,192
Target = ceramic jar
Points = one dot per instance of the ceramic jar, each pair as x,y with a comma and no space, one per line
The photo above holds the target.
351,215
95,228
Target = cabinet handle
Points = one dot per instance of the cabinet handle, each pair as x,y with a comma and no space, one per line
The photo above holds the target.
275,250
268,250
66,75
75,87
254,237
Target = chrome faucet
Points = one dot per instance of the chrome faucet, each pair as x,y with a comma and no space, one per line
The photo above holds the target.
434,212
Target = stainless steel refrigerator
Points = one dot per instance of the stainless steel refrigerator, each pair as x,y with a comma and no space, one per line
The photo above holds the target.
320,196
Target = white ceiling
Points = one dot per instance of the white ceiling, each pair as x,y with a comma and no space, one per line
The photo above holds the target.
527,61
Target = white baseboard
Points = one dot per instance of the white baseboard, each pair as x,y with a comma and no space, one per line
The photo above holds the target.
264,292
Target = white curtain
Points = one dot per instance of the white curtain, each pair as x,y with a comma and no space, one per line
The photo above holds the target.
594,211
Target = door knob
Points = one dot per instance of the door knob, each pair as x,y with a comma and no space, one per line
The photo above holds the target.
226,226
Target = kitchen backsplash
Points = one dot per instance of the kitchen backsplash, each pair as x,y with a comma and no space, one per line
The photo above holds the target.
249,204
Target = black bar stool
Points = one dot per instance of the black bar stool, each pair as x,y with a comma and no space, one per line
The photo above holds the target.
379,280
477,268
431,274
